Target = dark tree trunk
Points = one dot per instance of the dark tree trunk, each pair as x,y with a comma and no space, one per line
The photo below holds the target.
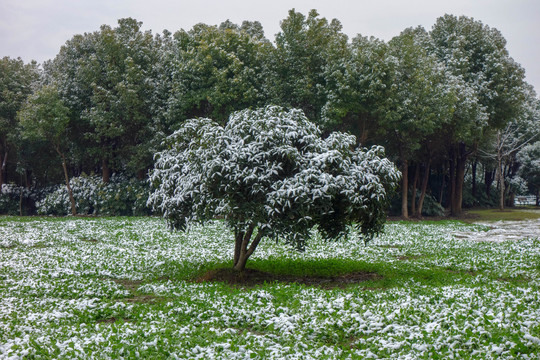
461,160
424,189
404,188
488,181
474,165
414,186
3,166
1,173
443,184
105,170
451,180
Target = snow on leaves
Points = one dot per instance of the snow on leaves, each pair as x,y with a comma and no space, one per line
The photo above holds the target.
270,169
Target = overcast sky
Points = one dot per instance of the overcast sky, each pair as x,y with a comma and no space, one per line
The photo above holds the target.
36,29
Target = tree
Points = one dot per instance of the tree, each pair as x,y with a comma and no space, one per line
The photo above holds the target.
492,82
44,117
107,79
529,170
17,82
518,133
305,46
416,106
268,173
217,70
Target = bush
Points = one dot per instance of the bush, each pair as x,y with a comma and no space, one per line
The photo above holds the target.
121,196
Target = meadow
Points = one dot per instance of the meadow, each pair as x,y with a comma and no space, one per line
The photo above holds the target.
113,288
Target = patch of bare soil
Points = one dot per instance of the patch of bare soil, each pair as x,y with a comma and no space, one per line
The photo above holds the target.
112,320
252,278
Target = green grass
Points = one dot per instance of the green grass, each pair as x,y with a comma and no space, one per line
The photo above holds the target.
125,288
515,214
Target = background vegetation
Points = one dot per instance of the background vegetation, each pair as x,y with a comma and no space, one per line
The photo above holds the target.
450,105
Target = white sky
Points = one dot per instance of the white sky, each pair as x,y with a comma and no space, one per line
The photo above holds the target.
36,29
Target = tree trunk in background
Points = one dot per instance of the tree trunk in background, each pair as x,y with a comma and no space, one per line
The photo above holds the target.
1,173
452,181
443,184
424,189
460,157
474,164
106,171
488,181
414,186
404,188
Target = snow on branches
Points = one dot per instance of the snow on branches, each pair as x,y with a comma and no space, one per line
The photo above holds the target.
268,170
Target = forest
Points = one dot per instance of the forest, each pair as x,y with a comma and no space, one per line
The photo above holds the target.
450,106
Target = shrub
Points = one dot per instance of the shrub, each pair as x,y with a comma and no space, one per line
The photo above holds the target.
121,196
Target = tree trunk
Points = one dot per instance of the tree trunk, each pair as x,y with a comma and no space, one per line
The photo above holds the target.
66,176
423,190
443,184
457,199
474,164
242,252
3,172
460,176
452,181
404,188
500,180
105,170
488,181
414,186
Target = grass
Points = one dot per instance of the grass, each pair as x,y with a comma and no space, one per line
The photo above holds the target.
127,288
509,214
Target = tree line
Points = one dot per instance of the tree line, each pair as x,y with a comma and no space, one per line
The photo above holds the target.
450,105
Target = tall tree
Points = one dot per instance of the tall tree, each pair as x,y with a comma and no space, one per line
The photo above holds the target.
305,46
217,70
17,81
416,105
107,79
44,117
476,54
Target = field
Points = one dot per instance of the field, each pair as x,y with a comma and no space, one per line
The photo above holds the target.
129,288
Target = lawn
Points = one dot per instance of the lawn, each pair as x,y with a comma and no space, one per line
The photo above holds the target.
129,288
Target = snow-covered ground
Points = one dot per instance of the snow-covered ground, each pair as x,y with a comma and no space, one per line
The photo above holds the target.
500,231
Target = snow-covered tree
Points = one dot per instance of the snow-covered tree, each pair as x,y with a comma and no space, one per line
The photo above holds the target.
44,117
529,160
17,81
269,173
476,56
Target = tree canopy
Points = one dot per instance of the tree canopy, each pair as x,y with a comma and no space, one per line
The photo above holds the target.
269,171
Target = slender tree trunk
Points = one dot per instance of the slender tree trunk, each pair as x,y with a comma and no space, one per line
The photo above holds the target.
443,184
66,176
414,187
461,160
105,170
424,189
500,180
245,252
488,181
452,181
1,173
474,165
404,188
